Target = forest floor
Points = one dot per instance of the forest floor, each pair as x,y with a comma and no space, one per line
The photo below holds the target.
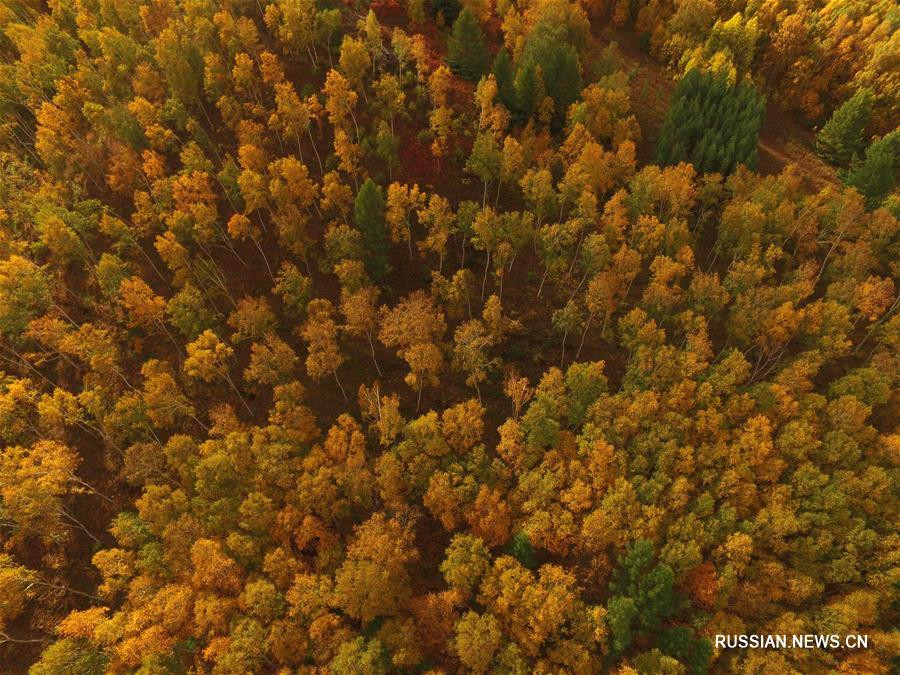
783,139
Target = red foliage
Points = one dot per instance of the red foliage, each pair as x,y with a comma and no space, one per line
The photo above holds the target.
701,584
388,12
418,163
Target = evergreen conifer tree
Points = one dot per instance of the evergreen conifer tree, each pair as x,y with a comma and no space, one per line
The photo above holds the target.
711,124
368,215
562,80
876,175
843,135
505,75
466,54
529,92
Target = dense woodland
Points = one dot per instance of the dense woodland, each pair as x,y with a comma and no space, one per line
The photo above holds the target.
381,338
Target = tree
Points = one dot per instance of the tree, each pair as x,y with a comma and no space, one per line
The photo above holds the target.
642,595
24,293
841,139
272,361
355,62
478,637
530,92
402,201
466,561
711,123
359,656
485,161
875,176
70,655
368,216
470,345
438,220
252,319
17,587
292,115
188,312
490,517
340,101
567,319
208,359
466,53
34,482
503,73
561,74
360,311
294,288
320,334
415,326
374,579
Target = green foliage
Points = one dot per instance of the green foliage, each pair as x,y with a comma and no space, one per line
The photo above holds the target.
561,72
111,270
585,383
294,288
368,216
157,175
529,92
24,294
875,176
711,124
466,561
842,137
521,549
642,594
445,11
549,66
466,53
188,312
505,76
620,613
681,643
70,656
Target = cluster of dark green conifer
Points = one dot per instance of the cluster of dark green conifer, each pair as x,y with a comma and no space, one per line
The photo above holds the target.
712,124
549,67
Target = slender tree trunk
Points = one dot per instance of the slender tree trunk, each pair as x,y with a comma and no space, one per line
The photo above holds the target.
577,249
372,349
587,325
299,147
355,126
409,238
543,279
315,150
562,358
265,259
872,328
487,264
77,523
238,394
515,253
338,380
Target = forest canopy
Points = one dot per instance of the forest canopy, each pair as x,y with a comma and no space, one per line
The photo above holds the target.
438,336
